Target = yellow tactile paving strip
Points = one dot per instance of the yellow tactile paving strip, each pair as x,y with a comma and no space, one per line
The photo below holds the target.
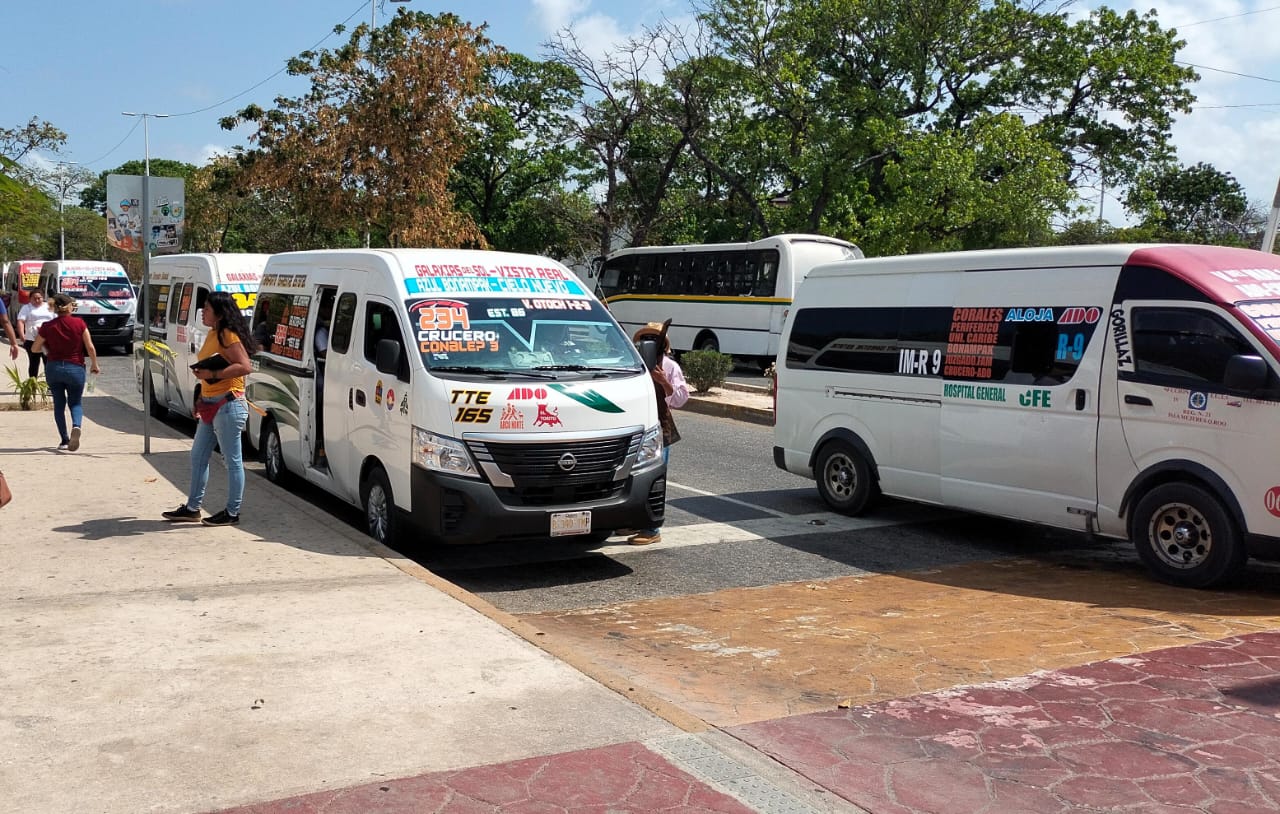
750,654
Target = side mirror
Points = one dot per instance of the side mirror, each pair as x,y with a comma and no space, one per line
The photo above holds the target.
650,352
1245,374
387,357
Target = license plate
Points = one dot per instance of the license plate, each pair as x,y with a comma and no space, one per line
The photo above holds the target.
564,524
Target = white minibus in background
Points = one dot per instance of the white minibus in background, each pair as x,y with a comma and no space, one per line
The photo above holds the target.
104,298
456,396
178,286
1126,391
728,297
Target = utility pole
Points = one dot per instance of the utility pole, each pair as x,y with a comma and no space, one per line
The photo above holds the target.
1269,236
146,269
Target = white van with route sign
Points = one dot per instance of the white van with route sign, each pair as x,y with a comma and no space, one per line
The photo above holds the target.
1126,391
470,396
178,285
104,298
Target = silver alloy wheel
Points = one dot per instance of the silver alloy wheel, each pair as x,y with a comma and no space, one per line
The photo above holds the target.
273,454
377,512
1180,535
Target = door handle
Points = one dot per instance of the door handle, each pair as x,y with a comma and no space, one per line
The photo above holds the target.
360,397
1143,400
1080,398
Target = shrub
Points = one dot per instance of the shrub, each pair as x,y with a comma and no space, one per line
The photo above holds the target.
29,389
705,369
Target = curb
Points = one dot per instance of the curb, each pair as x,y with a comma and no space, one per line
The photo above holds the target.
754,415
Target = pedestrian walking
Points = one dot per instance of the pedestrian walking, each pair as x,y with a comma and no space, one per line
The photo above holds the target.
32,315
65,342
221,409
7,327
672,392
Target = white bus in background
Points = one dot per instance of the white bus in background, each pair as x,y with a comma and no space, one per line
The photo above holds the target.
729,297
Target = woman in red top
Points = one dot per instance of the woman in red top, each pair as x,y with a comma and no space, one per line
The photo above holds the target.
64,341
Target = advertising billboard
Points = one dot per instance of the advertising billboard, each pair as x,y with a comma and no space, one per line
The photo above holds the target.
124,213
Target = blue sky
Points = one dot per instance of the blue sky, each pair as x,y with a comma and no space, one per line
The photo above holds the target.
79,64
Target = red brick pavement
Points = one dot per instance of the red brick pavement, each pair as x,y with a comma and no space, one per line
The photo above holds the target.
1194,728
621,778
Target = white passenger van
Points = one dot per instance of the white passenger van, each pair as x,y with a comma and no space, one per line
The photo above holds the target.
1126,391
104,298
21,277
472,396
178,286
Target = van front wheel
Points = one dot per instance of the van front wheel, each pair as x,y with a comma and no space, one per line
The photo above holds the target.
273,452
379,507
1185,536
844,478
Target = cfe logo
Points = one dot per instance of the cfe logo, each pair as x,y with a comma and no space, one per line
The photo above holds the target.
1272,500
1035,398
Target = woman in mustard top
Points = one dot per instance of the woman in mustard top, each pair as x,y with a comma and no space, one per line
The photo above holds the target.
221,410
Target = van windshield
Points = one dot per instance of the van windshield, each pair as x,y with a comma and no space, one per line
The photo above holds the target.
1266,314
529,335
101,288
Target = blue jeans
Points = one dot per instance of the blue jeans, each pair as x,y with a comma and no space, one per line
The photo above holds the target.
225,432
66,385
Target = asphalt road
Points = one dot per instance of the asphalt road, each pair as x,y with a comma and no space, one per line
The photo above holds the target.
733,520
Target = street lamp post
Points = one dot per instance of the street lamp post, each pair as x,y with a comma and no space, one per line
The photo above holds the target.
62,222
145,311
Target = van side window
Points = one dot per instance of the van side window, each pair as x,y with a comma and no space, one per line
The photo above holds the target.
271,310
1184,347
862,340
344,319
380,323
157,303
178,305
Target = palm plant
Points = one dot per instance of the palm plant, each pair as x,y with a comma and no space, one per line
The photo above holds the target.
29,389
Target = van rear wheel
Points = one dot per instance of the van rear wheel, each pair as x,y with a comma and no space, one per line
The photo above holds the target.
379,507
1185,536
273,452
844,478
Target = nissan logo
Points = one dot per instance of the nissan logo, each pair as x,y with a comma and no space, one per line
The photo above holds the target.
567,462
102,320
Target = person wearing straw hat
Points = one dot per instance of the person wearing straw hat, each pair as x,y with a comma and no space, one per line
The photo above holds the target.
672,392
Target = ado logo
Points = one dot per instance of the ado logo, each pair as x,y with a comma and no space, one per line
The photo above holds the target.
1272,500
1198,400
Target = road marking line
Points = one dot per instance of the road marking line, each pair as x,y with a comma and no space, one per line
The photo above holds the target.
773,528
733,500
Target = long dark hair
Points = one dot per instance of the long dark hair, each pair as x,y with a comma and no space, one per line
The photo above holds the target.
230,319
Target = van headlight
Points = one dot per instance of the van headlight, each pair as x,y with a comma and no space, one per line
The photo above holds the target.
650,447
442,454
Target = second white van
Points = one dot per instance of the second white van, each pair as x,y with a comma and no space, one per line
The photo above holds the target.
178,286
1125,391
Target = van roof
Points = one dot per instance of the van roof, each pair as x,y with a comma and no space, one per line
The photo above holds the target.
451,271
1227,274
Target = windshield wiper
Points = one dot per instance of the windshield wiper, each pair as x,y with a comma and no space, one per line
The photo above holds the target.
476,369
587,367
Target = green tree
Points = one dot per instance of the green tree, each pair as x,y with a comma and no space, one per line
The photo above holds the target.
1197,204
25,210
512,179
374,141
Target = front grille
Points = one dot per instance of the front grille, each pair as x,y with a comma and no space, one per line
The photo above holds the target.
538,479
110,322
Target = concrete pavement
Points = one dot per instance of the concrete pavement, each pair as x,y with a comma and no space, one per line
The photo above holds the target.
290,664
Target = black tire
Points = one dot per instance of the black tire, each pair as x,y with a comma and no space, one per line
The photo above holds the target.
379,508
707,341
273,453
844,478
1185,536
128,349
155,406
